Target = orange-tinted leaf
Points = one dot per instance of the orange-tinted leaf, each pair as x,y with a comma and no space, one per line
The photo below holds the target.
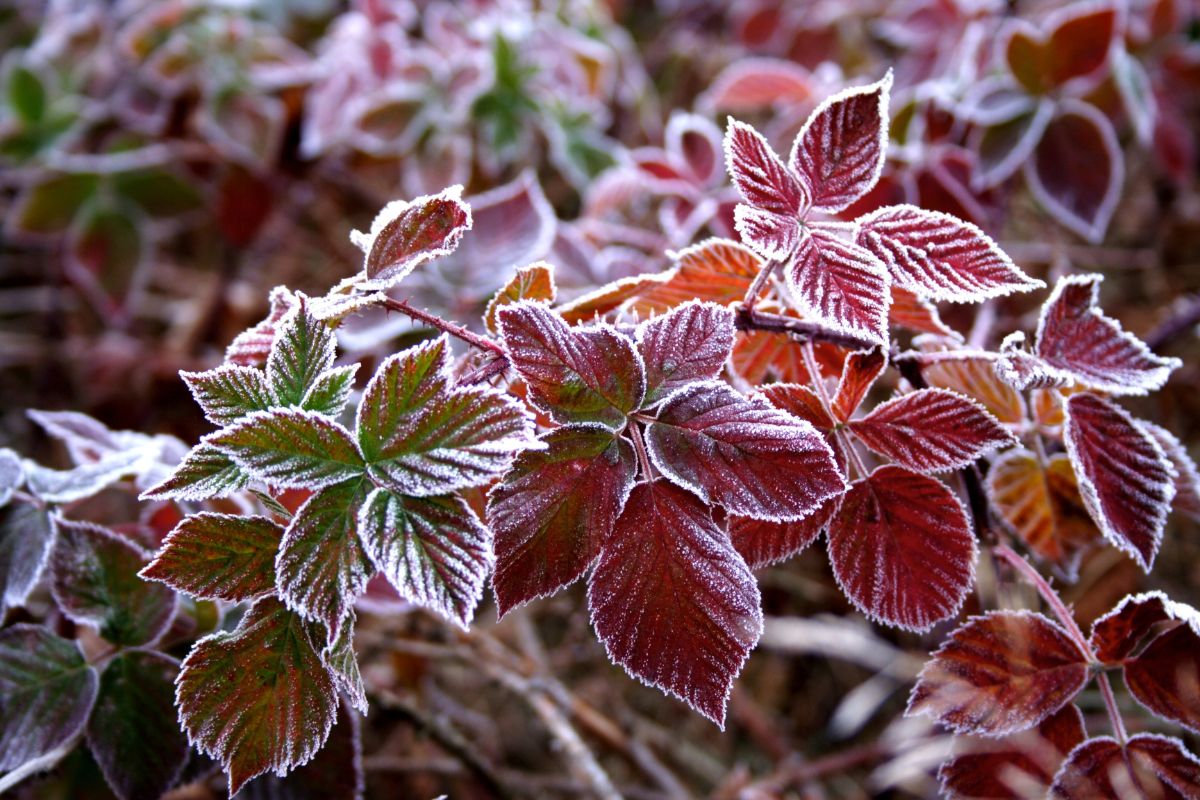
858,376
717,270
976,378
915,314
801,401
534,282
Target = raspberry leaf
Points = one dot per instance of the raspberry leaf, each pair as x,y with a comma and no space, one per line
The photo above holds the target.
840,283
776,199
206,473
218,556
291,448
690,343
406,234
26,537
304,348
1159,766
229,392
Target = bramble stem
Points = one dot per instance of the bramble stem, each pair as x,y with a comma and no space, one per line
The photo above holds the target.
485,372
640,446
1006,553
756,286
1110,704
947,355
433,320
747,319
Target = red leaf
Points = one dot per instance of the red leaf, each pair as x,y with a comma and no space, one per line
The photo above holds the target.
1000,673
840,284
1021,370
1015,767
218,556
555,508
742,453
941,257
1165,677
932,430
1187,478
762,542
1124,477
750,85
1077,169
690,343
696,142
408,233
841,148
672,600
589,374
1074,335
1158,766
777,200
1077,46
1116,635
902,550
858,376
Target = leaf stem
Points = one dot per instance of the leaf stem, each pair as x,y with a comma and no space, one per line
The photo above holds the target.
1006,553
756,286
640,446
814,377
455,330
1110,704
748,319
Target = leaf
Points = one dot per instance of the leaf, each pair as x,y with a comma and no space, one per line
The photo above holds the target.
259,698
1165,677
46,693
251,347
939,256
406,234
932,430
902,550
95,582
158,192
775,198
554,510
1076,46
1041,505
303,349
840,284
1003,148
758,355
690,343
322,565
229,392
1016,766
133,733
1077,169
340,658
336,771
12,475
1116,635
573,374
800,401
916,314
68,486
858,376
750,85
534,282
1074,335
433,550
1187,477
205,473
330,391
291,448
1158,766
1003,672
672,600
218,556
1022,370
715,270
977,379
49,206
25,541
1126,481
763,542
742,453
840,151
422,436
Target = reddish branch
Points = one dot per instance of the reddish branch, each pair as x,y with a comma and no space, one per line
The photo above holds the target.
748,319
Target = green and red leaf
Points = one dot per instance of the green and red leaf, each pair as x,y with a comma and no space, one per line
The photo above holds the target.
291,448
218,556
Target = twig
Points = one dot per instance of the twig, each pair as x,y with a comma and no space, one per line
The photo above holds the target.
925,359
756,286
455,330
485,372
748,319
1110,705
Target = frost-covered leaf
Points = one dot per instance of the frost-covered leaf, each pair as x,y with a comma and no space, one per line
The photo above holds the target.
574,374
336,771
1077,169
1022,370
716,270
218,556
1187,477
46,693
534,282
690,343
858,376
251,347
1123,475
205,473
133,732
1003,148
939,256
1000,673
1014,767
932,430
321,565
554,510
12,475
1116,634
742,453
433,550
96,582
340,658
67,486
1165,676
304,348
406,234
291,448
776,200
422,436
902,550
840,284
1159,766
840,151
976,378
750,85
330,391
229,392
25,540
1075,336
763,542
259,698
672,600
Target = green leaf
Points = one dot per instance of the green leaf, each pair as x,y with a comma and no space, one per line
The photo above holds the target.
26,95
133,732
291,448
25,539
205,473
433,550
46,693
229,392
218,556
49,206
423,437
258,698
158,192
303,349
330,391
343,665
95,582
321,566
106,245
